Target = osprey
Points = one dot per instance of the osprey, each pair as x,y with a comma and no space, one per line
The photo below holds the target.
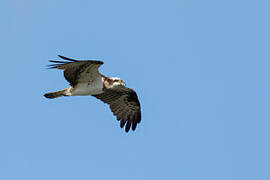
85,79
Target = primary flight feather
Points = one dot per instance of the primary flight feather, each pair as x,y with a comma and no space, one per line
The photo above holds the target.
85,79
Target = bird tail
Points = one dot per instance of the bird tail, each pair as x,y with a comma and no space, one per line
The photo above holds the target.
56,94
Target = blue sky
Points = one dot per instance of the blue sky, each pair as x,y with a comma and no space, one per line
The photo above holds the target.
200,68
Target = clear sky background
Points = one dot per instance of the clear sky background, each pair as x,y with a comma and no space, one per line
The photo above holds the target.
200,68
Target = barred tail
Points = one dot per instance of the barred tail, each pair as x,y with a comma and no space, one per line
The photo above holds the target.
56,94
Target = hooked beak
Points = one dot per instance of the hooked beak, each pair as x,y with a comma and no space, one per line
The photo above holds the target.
123,83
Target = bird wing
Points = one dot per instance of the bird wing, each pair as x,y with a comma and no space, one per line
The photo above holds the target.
77,71
124,104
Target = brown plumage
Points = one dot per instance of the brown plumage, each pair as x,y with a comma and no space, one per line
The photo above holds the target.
73,69
85,79
124,104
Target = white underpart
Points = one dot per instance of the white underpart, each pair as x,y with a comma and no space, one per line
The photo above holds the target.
90,83
84,89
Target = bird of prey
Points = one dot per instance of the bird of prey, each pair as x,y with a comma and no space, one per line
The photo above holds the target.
85,79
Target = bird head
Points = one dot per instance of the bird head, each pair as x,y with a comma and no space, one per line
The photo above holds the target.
117,81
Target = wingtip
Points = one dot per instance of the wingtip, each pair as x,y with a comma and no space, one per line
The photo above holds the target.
134,125
63,57
66,58
52,66
74,60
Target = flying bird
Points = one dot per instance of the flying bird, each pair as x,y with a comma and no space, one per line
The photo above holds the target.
85,79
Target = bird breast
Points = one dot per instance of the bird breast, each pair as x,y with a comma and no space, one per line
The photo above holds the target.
88,88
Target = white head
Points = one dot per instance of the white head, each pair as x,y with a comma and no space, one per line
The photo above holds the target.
117,81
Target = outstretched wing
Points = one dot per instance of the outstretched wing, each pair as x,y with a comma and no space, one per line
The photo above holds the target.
124,104
76,71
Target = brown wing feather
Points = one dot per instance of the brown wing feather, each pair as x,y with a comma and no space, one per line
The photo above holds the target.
124,104
73,69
